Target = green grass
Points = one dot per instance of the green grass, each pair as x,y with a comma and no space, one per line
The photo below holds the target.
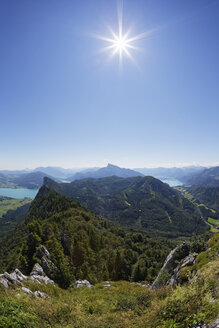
122,305
11,204
214,222
207,208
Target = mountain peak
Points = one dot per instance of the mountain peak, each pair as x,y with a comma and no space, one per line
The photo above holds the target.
107,171
112,166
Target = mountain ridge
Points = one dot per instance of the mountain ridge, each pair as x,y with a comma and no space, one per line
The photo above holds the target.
140,203
109,170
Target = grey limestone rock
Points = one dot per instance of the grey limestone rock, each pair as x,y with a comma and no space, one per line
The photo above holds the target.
15,277
42,251
214,324
48,266
39,294
12,278
189,260
82,283
37,270
106,284
173,280
4,282
26,290
171,263
42,279
20,275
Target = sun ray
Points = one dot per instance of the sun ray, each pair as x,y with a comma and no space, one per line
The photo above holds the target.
121,43
105,49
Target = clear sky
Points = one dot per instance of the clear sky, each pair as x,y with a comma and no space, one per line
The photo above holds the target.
63,102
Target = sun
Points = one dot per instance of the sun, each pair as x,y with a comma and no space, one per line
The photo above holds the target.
121,43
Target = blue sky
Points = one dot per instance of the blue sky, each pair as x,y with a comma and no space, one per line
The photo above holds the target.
64,103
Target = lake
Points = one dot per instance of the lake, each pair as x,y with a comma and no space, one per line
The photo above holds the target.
31,193
172,182
18,193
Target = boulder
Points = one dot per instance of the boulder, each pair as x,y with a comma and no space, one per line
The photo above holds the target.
82,283
12,278
20,275
106,284
42,279
15,277
4,282
26,290
37,270
39,294
214,324
189,260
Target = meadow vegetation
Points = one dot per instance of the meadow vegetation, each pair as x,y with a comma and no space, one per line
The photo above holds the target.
124,304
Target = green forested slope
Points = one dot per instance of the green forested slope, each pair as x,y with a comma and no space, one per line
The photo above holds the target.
206,195
143,203
12,217
207,178
81,244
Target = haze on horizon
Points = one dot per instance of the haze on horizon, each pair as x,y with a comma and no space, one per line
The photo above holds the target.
63,103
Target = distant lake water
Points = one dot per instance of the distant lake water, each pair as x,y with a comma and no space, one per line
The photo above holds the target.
172,182
18,193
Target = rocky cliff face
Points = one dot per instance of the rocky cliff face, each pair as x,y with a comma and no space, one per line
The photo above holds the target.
170,266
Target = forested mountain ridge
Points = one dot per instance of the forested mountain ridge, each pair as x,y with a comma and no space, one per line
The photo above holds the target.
81,245
207,178
142,203
12,217
206,195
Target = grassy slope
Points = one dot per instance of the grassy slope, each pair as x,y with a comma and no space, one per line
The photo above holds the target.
122,305
196,196
7,204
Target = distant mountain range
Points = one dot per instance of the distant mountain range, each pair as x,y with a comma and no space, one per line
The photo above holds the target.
97,172
108,171
193,175
56,171
32,180
206,178
143,203
179,173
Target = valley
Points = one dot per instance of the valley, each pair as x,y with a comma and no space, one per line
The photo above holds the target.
116,233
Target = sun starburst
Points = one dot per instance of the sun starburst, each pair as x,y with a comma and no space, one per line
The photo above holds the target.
121,43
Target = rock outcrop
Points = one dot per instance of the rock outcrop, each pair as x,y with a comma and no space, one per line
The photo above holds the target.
37,275
215,324
189,260
82,283
47,265
16,278
37,293
171,263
